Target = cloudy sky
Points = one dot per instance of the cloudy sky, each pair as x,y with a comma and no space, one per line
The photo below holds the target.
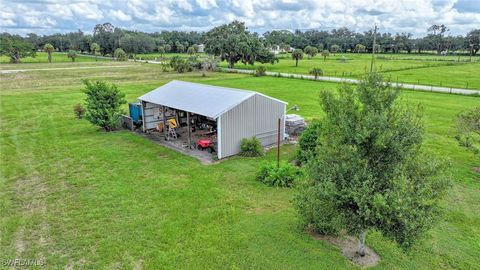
52,16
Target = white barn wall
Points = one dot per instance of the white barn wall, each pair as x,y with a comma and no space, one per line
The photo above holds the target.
149,119
257,116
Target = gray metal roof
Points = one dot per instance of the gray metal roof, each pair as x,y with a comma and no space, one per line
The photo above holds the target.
207,100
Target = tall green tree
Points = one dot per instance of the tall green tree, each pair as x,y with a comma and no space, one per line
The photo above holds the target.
15,47
335,48
472,41
180,48
103,104
161,50
297,54
107,37
311,51
371,171
360,48
436,37
95,48
233,43
49,49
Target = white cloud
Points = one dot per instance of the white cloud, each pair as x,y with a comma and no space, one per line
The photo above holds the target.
86,10
152,15
206,4
118,14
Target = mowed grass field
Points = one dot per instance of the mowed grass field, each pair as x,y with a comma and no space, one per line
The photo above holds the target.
84,199
57,57
417,69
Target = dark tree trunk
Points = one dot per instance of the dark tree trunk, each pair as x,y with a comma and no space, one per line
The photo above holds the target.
296,62
361,244
15,58
49,57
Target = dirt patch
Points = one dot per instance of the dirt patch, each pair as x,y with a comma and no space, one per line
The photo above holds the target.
31,193
348,245
19,242
20,76
476,169
138,265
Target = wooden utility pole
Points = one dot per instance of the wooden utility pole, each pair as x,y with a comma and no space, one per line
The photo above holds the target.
374,45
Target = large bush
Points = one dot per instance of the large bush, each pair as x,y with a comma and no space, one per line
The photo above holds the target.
251,147
316,72
209,63
283,176
308,142
72,55
120,55
260,71
103,104
179,64
468,129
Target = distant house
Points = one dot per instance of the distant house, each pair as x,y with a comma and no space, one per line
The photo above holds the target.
201,48
275,49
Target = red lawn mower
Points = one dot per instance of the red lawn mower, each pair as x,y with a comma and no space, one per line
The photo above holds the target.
206,144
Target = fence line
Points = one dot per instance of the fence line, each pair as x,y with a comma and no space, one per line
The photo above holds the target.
438,89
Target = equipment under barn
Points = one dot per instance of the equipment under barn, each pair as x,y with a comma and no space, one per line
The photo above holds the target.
212,117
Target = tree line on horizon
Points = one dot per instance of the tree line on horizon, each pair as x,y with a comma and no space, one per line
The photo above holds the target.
109,38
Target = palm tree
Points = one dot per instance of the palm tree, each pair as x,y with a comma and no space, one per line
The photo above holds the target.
72,55
94,48
316,72
297,54
49,49
325,53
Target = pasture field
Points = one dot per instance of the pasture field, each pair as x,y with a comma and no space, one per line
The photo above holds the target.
42,57
417,69
84,199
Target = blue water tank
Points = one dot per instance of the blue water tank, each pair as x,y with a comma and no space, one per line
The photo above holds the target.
135,109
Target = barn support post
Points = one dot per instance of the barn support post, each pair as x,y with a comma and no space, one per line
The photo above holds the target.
189,131
143,104
165,131
278,143
219,137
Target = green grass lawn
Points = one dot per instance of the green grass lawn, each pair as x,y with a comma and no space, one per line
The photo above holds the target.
86,199
419,69
42,57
